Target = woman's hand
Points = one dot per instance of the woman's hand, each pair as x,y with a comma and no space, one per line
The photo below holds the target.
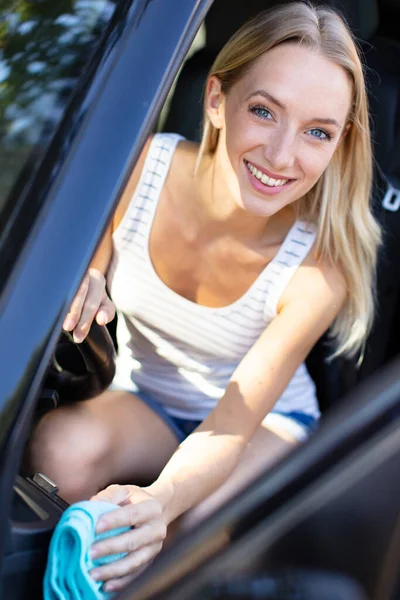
91,302
140,510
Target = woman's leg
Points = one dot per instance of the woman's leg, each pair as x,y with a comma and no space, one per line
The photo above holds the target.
114,438
266,447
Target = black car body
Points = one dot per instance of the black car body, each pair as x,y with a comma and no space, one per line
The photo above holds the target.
324,521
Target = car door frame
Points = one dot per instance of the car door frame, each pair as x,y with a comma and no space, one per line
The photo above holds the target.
311,513
81,178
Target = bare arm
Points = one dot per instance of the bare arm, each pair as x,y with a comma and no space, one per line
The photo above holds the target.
91,301
204,461
207,457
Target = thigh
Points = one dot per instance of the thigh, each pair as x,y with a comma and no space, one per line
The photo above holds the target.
267,446
113,438
140,442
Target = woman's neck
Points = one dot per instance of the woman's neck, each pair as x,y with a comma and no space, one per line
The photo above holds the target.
214,206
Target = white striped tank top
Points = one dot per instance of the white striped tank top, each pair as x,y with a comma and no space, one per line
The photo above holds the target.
181,353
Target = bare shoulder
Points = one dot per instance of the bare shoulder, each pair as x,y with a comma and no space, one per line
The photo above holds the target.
186,150
183,162
317,282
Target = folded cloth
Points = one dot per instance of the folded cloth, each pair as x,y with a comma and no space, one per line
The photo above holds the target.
67,575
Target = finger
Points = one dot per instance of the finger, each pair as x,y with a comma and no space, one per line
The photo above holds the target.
115,494
106,311
144,535
74,313
90,307
129,515
120,583
114,585
127,565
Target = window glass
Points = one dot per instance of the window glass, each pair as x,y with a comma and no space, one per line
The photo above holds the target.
44,47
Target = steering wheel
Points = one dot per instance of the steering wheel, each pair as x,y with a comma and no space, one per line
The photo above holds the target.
81,371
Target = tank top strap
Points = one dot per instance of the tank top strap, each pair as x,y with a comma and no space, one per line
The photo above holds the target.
156,167
283,266
142,207
158,161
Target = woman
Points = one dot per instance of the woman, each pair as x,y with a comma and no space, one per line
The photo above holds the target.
226,263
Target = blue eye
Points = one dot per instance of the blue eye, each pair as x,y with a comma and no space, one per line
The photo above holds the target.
261,112
320,134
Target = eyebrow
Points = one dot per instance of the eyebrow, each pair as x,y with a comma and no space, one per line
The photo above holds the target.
271,98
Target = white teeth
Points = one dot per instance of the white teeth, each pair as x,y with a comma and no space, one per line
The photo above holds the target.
264,178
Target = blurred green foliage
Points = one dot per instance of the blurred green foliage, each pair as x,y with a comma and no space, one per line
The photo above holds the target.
44,49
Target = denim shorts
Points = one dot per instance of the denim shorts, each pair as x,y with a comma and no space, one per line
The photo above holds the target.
297,424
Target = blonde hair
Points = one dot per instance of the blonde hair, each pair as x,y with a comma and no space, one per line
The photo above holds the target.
347,233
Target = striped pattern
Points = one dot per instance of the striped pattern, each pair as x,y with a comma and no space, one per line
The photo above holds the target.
182,353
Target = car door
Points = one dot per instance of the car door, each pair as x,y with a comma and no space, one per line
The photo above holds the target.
62,185
323,524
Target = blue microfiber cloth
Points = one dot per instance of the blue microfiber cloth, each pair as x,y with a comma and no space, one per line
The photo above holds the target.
68,568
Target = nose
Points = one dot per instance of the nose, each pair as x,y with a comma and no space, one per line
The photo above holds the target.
280,150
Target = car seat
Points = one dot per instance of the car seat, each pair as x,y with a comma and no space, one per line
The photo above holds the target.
383,77
336,377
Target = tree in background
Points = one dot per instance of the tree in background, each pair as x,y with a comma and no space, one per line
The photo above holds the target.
44,48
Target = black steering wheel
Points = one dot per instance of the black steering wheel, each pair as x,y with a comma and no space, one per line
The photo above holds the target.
81,371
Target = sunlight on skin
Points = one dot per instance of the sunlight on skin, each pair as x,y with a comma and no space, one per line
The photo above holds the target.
283,140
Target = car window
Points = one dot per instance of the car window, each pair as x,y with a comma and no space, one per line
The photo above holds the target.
44,47
198,43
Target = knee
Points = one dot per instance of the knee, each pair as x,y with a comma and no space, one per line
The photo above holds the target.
68,445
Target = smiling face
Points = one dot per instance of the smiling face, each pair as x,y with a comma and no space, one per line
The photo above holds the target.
279,126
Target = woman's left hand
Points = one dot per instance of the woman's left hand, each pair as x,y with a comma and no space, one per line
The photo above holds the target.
142,511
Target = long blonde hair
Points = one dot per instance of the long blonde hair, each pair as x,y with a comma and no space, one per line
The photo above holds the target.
339,204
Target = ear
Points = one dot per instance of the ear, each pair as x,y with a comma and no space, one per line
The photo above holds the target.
214,100
345,132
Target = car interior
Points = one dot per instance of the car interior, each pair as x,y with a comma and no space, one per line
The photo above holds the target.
78,372
322,525
372,23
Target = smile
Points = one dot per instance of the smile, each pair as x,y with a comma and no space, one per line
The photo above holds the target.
263,178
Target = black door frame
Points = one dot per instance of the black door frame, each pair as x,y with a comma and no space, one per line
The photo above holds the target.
82,177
